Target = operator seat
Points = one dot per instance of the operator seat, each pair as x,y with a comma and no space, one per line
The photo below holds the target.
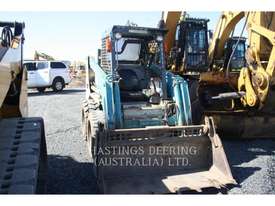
134,78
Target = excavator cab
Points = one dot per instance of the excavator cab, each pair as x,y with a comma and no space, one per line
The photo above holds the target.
238,59
190,50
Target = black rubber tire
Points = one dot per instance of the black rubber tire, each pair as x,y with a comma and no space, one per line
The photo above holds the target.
197,109
92,133
94,129
58,84
92,137
41,89
84,117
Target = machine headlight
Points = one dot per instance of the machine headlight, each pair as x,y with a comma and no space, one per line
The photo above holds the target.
118,35
159,38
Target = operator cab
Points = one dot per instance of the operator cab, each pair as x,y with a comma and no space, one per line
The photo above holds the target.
190,51
135,57
238,59
131,69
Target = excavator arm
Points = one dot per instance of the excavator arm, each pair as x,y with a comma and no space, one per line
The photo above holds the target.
225,26
171,19
38,55
255,77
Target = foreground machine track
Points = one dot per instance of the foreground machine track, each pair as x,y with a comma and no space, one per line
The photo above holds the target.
23,160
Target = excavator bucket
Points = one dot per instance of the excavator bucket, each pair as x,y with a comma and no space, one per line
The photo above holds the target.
161,160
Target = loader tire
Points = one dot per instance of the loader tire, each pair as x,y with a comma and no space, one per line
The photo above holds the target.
84,117
197,109
92,144
92,137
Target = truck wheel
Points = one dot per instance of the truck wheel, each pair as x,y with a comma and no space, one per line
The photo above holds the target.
41,89
197,109
58,84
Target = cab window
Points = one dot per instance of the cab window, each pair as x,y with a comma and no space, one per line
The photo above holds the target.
42,65
58,65
30,66
128,49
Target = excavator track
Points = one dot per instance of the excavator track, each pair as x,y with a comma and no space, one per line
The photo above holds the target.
23,156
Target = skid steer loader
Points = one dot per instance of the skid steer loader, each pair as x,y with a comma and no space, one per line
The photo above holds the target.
137,121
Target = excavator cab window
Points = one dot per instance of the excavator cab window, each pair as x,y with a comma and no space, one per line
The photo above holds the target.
195,49
191,46
238,58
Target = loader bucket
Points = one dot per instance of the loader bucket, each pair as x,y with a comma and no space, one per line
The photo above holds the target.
161,160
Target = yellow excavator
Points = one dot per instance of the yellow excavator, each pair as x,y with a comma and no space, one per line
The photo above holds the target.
232,76
23,155
43,56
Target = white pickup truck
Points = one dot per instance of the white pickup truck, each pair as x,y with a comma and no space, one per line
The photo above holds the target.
46,74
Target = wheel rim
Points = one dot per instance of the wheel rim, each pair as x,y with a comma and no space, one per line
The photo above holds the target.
58,85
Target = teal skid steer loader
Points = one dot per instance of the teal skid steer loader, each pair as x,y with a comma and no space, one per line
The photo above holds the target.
137,121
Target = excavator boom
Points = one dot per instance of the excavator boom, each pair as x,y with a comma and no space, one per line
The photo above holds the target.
255,77
171,20
39,55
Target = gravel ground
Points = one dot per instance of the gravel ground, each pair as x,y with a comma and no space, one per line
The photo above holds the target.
252,164
69,167
252,161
